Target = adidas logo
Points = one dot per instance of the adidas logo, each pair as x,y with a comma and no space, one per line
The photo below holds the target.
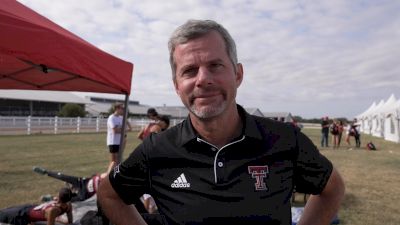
181,182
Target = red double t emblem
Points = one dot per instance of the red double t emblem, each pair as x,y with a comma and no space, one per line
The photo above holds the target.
259,173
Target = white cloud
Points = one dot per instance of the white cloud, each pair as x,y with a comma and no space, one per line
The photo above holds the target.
310,58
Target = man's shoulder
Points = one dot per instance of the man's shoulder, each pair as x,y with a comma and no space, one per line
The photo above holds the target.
171,134
174,131
273,125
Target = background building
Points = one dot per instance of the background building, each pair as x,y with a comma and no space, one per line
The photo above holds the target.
49,103
36,103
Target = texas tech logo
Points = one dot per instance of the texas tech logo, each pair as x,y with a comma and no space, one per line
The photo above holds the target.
259,173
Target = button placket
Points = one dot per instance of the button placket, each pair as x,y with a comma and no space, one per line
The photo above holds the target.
220,165
217,160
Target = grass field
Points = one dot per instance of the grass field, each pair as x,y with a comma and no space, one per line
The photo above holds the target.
372,177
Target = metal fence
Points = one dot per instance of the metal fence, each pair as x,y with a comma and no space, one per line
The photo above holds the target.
14,125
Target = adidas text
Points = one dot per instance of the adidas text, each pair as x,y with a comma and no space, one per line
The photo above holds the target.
180,185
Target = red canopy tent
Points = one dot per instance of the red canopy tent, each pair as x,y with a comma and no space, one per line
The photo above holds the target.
37,54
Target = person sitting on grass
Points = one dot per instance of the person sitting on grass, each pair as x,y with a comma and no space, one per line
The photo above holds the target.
85,187
48,211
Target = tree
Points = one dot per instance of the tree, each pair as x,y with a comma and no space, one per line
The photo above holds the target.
71,110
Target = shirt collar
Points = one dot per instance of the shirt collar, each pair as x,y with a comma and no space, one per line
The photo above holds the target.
250,128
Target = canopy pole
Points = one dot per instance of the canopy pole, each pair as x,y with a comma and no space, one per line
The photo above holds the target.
124,121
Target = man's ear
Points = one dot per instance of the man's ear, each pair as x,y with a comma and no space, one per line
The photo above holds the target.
239,74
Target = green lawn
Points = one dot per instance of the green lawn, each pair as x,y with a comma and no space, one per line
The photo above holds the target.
372,180
74,154
372,177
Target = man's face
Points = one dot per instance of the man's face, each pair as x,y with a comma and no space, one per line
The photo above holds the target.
120,110
205,77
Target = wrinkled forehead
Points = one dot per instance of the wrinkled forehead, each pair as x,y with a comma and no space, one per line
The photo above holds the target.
208,46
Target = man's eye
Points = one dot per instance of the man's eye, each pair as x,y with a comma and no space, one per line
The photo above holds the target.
189,72
216,66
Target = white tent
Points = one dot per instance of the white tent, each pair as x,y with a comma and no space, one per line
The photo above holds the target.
392,123
381,115
382,119
376,122
366,125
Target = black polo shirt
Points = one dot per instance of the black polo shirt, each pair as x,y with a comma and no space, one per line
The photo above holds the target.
248,181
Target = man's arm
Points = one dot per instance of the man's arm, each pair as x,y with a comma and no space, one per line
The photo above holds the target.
114,208
320,209
117,129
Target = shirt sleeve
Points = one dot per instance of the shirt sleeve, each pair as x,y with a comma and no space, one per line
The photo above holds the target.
312,170
130,178
111,122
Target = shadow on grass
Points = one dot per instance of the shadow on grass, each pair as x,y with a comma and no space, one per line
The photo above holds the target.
349,201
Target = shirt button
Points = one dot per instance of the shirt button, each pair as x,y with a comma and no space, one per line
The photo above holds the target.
220,164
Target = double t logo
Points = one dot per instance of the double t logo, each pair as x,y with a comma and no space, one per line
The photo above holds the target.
259,172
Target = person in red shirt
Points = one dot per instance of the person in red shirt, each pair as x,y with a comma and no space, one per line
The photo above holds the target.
48,211
161,124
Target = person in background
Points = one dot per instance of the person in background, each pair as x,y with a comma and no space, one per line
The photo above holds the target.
349,133
353,131
152,114
341,129
221,165
114,130
84,188
161,124
334,129
355,126
324,131
48,211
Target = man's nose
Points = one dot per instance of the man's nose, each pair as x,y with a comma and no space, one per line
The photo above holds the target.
204,77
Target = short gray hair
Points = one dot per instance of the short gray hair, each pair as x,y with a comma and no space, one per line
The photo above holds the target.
193,29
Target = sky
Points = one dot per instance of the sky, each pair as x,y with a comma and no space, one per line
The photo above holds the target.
309,58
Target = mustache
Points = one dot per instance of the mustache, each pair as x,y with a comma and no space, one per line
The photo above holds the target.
205,92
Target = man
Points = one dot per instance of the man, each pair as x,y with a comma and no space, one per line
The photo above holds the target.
324,131
114,130
221,165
